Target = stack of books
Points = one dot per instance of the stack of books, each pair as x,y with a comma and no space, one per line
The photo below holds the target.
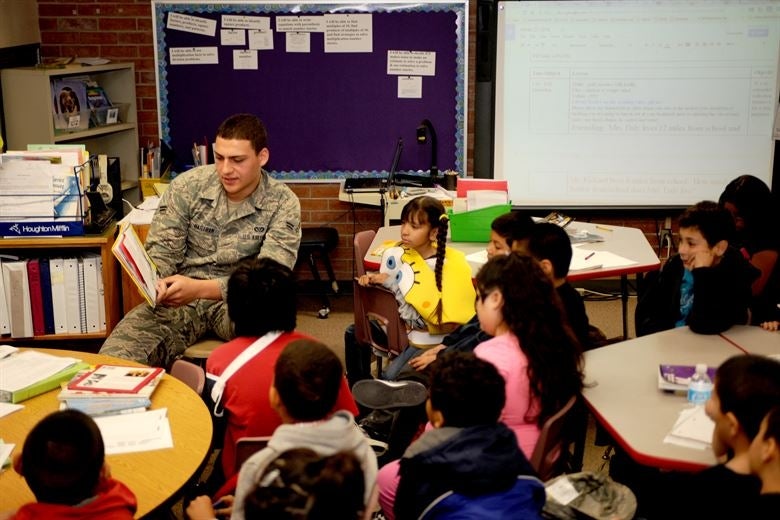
26,374
111,389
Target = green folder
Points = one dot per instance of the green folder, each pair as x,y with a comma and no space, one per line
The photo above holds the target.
42,386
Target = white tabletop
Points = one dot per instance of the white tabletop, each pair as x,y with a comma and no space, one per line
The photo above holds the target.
754,340
622,388
627,242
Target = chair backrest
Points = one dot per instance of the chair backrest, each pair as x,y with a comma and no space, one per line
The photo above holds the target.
190,374
247,446
362,241
375,303
552,441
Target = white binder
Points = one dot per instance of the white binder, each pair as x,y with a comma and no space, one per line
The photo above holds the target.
72,307
5,319
58,300
92,293
17,297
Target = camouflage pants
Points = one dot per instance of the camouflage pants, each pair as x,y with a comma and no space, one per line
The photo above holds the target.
156,337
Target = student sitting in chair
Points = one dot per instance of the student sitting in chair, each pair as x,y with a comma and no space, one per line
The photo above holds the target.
755,212
550,245
746,388
397,424
63,462
262,304
307,379
470,461
301,484
431,283
706,285
507,233
765,463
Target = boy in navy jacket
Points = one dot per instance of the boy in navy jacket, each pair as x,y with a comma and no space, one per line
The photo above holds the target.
706,285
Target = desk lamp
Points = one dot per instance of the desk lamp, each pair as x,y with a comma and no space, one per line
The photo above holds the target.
423,130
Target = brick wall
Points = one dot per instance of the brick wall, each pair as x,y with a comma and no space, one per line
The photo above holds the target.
320,206
122,31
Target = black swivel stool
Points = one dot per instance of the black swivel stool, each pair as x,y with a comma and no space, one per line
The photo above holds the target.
320,241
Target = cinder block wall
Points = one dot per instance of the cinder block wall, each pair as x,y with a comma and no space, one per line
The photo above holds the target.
122,31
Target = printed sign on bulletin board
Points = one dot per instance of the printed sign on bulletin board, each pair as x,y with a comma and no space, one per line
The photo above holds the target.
336,84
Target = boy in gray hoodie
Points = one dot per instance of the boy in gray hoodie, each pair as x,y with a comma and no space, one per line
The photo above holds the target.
307,378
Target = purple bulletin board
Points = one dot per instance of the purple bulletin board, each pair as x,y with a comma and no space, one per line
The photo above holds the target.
329,115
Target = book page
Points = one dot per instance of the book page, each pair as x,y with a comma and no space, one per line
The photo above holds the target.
116,378
134,259
26,368
129,433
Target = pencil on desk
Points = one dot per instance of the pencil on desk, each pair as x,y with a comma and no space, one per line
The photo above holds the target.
604,228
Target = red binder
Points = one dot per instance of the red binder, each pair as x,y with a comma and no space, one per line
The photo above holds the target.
36,298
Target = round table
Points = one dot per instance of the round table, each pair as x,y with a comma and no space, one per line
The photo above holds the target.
154,476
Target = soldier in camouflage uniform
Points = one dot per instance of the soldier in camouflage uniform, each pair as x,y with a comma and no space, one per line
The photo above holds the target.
209,219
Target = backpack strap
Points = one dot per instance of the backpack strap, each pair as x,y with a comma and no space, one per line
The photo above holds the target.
248,353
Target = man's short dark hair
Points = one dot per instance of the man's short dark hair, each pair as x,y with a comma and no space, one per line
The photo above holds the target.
551,242
247,127
63,457
748,386
261,297
467,390
714,222
308,378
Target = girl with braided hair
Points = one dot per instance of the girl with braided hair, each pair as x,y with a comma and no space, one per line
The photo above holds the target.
431,282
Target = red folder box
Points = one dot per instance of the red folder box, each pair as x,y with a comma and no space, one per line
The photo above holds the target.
466,185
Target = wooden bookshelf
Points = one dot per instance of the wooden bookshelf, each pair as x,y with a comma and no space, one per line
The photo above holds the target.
53,246
27,104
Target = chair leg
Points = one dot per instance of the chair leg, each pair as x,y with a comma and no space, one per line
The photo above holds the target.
325,309
331,275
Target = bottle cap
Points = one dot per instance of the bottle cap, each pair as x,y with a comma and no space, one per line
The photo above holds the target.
701,368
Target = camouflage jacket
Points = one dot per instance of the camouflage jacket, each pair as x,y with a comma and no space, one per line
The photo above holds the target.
194,234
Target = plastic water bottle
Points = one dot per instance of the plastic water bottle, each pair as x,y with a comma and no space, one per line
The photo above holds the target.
700,387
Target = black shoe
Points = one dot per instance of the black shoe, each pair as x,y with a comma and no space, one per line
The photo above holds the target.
381,395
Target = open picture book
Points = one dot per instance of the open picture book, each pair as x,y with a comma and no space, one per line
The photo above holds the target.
136,262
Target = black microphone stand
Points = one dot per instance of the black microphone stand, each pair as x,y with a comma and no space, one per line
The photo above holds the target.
426,124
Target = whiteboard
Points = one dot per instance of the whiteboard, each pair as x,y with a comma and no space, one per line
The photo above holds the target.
635,103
